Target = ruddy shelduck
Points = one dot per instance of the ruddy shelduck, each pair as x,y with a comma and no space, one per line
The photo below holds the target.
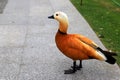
76,46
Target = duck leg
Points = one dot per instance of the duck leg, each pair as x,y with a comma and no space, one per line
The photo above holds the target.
78,67
73,70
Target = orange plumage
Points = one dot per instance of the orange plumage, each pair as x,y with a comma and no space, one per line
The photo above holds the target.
76,46
73,47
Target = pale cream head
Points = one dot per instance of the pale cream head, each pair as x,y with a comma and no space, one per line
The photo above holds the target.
63,21
60,16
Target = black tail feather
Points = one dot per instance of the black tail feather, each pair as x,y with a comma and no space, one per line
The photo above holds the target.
107,52
110,59
108,55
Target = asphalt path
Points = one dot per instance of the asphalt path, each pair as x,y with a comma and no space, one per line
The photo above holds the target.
27,45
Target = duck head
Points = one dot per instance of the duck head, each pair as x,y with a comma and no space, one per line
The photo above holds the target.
62,18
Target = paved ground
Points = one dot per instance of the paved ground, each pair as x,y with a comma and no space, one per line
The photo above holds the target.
27,47
2,5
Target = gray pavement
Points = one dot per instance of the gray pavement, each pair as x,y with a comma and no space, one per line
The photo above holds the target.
27,46
2,5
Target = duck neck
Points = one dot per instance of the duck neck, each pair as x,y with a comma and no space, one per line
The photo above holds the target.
63,26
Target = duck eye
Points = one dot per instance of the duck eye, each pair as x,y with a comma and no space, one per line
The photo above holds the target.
56,14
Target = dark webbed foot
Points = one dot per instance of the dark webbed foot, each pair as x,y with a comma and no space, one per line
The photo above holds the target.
70,71
73,70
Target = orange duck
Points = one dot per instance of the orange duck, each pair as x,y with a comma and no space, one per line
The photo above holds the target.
76,46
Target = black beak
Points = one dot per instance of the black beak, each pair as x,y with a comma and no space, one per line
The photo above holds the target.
51,17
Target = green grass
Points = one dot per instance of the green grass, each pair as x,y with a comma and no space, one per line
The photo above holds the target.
104,17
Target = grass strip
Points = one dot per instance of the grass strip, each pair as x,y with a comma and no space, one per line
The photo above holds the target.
104,18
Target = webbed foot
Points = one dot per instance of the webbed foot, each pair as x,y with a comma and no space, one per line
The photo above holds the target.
70,71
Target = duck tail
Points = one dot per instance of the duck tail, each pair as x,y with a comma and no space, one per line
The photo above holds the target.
108,55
